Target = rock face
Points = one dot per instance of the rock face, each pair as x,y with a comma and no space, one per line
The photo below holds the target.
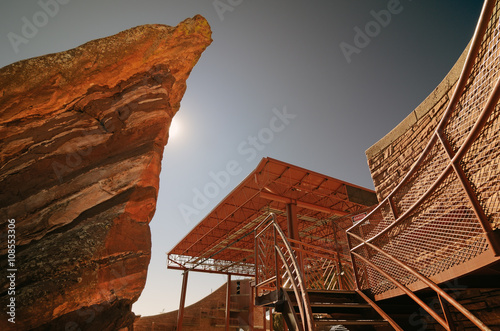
82,134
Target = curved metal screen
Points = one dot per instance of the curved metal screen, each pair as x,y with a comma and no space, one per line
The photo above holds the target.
439,220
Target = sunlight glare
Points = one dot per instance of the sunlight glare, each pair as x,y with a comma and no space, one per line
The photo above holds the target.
175,128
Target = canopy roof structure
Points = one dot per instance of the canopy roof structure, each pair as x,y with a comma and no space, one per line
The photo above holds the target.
223,241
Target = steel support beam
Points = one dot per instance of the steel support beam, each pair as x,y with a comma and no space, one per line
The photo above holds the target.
447,314
180,315
292,221
251,308
264,323
302,204
271,319
228,301
293,229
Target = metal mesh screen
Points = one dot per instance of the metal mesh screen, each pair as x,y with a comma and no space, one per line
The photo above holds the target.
481,82
374,223
422,179
441,233
440,229
482,166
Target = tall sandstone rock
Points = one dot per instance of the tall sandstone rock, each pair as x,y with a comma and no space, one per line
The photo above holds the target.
82,134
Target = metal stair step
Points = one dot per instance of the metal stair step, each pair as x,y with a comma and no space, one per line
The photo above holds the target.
340,305
336,308
334,322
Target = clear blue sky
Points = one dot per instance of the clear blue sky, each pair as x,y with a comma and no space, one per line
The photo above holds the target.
338,90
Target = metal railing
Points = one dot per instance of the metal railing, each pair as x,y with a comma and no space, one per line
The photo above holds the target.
277,266
444,212
323,269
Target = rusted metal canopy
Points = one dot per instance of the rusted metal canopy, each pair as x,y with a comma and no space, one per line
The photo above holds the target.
223,242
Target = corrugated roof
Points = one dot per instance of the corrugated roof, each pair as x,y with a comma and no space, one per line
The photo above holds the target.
223,241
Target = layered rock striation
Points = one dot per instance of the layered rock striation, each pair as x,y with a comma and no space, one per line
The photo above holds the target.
82,134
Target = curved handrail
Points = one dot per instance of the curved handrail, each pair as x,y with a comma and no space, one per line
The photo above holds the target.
490,105
427,281
296,287
299,285
407,291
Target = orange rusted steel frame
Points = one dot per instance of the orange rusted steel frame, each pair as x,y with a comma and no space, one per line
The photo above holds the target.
304,306
331,255
203,259
302,204
213,227
210,271
407,291
446,313
326,254
264,318
256,261
267,281
295,287
251,310
266,220
276,265
173,261
474,49
228,301
422,278
337,251
354,267
303,247
180,314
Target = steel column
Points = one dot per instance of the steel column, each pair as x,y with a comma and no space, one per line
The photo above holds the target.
228,300
271,319
292,221
251,309
180,315
264,318
293,230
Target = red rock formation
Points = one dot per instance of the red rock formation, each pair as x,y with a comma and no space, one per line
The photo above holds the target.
82,134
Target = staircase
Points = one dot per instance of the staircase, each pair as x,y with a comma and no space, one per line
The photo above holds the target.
332,310
280,283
